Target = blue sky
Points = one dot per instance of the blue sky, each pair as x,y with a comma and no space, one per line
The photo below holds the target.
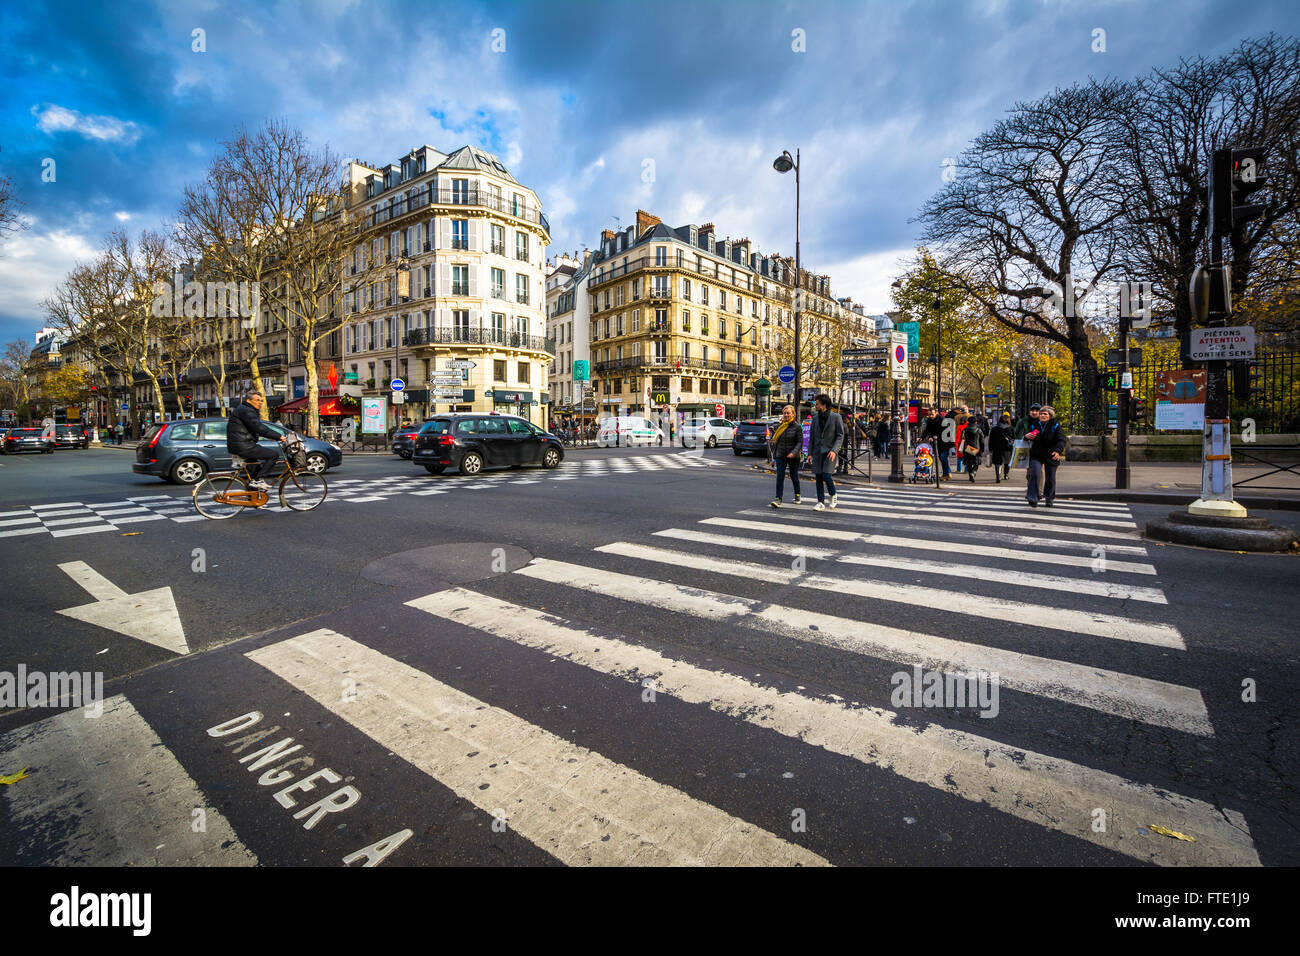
586,101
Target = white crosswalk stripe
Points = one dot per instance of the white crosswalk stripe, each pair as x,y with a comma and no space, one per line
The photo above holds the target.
1045,790
572,802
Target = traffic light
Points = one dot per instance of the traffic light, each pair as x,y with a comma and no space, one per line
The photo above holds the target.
1138,408
1110,381
1234,175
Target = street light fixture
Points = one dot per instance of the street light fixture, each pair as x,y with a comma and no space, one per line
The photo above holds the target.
783,164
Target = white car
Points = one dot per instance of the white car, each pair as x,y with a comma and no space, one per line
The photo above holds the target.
707,431
626,430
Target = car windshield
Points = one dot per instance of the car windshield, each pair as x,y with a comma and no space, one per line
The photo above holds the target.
437,427
25,431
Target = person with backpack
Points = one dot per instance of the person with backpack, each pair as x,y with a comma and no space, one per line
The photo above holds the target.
1047,450
1001,441
971,447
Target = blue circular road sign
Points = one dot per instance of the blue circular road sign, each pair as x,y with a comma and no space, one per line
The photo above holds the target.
397,385
786,375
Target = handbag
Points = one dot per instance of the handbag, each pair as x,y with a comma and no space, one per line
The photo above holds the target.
1020,453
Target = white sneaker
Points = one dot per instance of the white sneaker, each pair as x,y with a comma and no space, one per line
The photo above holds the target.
259,485
834,501
819,507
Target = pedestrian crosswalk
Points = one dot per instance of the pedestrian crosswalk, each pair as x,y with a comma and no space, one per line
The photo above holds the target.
1070,621
69,518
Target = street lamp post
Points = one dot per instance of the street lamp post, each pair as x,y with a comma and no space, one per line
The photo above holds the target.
783,164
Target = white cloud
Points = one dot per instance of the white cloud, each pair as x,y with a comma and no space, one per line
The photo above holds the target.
867,277
51,118
122,216
32,264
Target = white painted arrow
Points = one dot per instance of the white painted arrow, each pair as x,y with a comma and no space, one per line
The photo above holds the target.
147,616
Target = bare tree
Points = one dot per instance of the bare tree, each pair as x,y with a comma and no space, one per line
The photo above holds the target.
1031,216
109,305
1167,131
9,206
15,390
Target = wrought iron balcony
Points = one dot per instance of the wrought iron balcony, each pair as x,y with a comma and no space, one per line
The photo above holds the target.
459,197
488,337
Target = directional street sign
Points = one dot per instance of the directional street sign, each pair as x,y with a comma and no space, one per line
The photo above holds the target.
459,363
397,385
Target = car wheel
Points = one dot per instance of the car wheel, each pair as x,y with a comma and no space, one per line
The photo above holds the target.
712,442
316,463
737,452
660,441
471,464
551,459
435,469
188,471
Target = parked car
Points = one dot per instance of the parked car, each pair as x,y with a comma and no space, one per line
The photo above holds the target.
472,442
404,440
753,435
19,440
184,451
70,436
707,431
621,430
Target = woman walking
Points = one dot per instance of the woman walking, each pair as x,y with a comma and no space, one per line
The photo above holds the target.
787,446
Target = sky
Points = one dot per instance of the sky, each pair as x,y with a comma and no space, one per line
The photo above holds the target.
677,107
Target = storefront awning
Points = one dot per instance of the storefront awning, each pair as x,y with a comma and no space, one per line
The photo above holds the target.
328,405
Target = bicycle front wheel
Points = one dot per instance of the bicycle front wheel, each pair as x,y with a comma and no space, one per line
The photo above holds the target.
302,490
211,496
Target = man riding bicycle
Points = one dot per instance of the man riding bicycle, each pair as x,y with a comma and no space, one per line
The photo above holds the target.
242,429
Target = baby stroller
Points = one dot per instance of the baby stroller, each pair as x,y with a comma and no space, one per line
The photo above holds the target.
923,466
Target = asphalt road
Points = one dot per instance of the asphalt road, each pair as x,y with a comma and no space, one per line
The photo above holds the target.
632,659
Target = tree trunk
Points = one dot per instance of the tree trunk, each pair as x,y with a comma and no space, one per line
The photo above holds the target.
313,389
157,390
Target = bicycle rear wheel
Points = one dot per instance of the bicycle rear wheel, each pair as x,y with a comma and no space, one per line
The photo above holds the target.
209,492
302,490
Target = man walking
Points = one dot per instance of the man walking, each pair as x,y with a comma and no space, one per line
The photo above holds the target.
825,438
1045,453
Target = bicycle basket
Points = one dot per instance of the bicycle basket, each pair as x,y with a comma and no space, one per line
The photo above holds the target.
296,454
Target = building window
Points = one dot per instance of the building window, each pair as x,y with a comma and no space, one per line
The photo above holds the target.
460,191
686,320
722,327
686,289
460,233
521,246
661,255
499,370
636,320
687,385
661,320
499,240
523,373
521,289
636,289
460,324
498,283
661,287
618,325
722,299
460,280
704,294
498,327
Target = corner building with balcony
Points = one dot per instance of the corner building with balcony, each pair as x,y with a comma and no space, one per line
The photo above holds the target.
450,270
682,321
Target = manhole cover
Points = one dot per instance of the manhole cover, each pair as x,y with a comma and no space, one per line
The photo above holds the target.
445,564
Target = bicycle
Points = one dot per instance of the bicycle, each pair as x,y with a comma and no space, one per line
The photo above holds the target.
225,494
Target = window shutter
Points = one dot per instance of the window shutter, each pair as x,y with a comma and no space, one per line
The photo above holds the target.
446,279
474,246
473,278
444,230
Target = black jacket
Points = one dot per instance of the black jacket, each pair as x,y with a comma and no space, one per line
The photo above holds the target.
791,440
244,426
1049,439
1001,441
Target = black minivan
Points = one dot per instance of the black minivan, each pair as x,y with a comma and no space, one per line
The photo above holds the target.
471,442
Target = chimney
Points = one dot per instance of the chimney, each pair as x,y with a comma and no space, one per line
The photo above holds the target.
645,222
607,234
706,237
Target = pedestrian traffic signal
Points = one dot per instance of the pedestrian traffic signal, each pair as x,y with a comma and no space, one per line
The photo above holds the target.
1110,381
1138,407
1234,175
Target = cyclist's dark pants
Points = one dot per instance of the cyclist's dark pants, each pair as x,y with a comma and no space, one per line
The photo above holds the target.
259,459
